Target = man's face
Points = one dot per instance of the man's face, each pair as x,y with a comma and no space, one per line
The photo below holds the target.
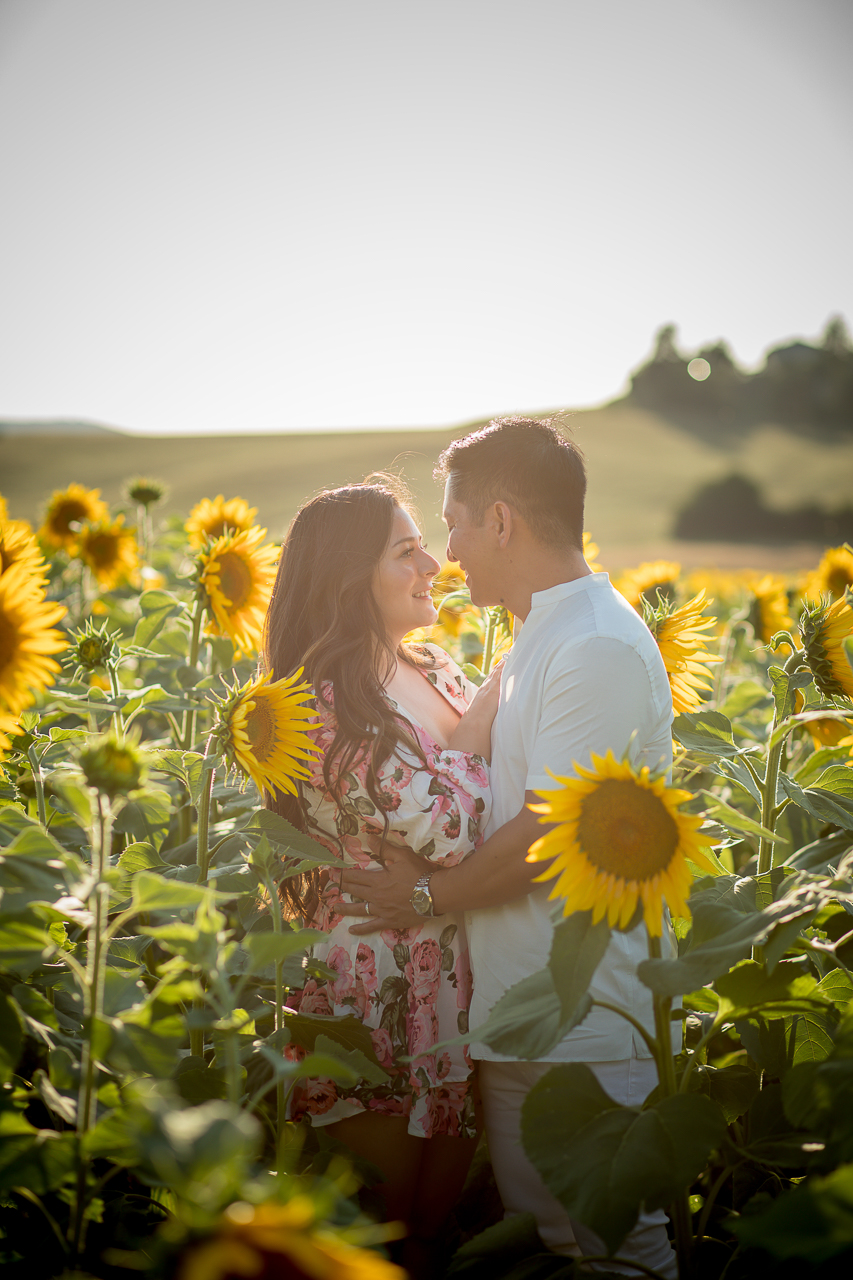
473,547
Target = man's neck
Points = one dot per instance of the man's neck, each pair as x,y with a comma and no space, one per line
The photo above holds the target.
540,572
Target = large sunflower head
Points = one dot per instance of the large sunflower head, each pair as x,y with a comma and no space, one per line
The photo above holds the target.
110,551
768,606
824,627
261,727
620,840
591,552
213,517
279,1242
648,581
18,546
833,576
683,648
236,577
67,511
27,639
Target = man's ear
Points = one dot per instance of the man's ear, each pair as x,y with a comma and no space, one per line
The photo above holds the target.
504,517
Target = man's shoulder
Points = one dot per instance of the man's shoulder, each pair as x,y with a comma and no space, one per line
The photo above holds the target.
601,615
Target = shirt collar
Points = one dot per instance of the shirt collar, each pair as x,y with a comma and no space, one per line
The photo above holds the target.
546,599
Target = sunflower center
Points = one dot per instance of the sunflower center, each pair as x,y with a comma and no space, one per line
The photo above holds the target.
260,729
235,579
627,831
102,549
67,513
838,579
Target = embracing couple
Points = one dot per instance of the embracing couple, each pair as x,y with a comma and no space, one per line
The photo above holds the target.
421,788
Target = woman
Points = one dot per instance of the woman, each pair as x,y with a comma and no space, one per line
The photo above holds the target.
403,744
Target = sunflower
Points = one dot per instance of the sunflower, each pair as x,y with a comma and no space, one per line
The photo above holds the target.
833,575
823,628
644,582
620,840
236,579
68,507
145,492
590,551
113,765
110,551
273,1240
18,546
210,519
262,730
26,640
684,651
769,609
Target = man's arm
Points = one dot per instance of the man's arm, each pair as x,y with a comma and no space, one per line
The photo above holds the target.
494,874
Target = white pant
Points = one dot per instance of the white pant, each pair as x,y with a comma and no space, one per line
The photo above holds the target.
504,1086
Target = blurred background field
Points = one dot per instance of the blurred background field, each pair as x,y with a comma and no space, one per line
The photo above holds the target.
643,469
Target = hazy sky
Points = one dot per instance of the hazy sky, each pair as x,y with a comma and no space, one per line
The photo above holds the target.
275,214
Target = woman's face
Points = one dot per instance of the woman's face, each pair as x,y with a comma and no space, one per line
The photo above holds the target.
402,580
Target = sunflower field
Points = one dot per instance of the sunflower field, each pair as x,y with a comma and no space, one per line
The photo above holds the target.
148,1053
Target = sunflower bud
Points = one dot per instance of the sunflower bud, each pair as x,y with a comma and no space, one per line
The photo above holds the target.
113,766
92,649
145,492
824,627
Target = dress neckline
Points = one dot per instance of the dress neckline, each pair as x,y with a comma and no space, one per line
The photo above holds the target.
439,685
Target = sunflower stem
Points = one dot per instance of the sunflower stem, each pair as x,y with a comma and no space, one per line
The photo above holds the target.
771,774
93,1007
115,689
489,640
38,783
188,725
680,1207
277,925
203,864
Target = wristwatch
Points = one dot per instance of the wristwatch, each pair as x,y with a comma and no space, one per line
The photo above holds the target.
421,898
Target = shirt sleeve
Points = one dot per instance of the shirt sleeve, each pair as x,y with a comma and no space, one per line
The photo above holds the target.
593,701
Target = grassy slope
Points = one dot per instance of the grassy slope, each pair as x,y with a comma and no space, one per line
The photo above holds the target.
641,470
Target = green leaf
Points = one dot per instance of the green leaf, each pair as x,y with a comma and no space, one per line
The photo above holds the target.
785,685
527,1021
137,857
708,733
146,816
732,1088
733,819
804,718
23,946
822,803
577,949
283,833
266,948
743,698
604,1162
155,893
362,1067
350,1032
156,607
11,1037
495,1252
814,1221
155,698
749,988
43,1164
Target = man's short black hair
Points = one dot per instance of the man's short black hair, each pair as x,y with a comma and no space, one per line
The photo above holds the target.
528,463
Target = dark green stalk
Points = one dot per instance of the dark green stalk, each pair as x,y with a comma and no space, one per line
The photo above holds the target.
771,774
188,726
115,687
680,1207
93,1007
275,901
203,863
489,640
38,783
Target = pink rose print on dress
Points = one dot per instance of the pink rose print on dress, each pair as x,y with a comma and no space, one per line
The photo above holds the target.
464,981
423,1034
366,980
316,1097
382,1047
392,936
475,771
452,826
444,1107
343,985
314,999
423,972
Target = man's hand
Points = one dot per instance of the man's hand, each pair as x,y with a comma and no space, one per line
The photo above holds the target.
387,893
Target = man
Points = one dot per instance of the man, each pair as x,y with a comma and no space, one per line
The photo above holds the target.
584,675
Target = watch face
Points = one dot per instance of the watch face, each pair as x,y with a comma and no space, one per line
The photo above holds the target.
421,901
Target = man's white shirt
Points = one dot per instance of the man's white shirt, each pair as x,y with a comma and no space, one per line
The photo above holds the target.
583,676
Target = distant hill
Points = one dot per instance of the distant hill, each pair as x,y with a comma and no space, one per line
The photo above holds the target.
52,427
643,469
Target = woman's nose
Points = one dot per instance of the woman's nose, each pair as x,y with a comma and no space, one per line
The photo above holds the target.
429,565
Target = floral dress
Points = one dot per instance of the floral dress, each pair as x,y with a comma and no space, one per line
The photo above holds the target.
410,987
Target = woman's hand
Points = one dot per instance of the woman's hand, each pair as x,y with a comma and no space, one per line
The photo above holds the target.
474,731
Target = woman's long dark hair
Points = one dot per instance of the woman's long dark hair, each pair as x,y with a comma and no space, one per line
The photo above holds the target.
323,617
